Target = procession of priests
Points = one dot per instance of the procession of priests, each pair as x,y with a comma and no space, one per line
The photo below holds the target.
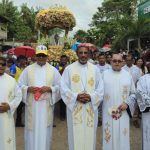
85,87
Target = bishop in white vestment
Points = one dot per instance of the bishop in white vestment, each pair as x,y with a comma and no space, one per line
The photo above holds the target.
10,97
82,92
40,86
119,94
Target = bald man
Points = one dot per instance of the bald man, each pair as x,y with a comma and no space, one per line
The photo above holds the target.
118,106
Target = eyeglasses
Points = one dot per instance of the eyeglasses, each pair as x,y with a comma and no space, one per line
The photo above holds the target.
41,55
3,64
116,61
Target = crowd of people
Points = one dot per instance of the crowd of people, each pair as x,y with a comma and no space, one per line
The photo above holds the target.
104,88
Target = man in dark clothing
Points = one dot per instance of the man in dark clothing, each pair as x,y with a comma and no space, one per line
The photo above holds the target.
61,67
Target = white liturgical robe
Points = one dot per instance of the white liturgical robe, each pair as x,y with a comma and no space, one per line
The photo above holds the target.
103,68
118,88
11,94
39,114
82,118
143,99
135,72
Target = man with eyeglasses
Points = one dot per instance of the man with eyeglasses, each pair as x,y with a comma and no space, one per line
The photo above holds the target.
143,100
40,87
10,97
118,106
82,92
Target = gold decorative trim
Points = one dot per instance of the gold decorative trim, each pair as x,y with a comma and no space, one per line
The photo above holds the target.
76,78
107,97
77,115
107,132
90,118
68,97
91,82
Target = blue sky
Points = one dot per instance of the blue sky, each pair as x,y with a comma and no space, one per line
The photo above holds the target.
83,10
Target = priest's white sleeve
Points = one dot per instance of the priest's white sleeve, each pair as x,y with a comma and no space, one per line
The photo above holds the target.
69,98
23,84
55,87
143,97
97,95
17,97
131,101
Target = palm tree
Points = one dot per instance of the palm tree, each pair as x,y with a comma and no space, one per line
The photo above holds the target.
137,29
6,8
131,29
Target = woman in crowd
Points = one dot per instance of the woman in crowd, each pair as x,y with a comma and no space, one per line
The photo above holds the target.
141,64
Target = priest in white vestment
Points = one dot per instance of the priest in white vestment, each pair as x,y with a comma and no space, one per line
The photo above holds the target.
118,106
102,66
132,69
82,92
143,99
102,63
40,85
10,97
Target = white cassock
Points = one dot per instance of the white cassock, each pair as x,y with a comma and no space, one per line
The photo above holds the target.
118,88
38,136
9,93
103,68
143,99
81,118
135,72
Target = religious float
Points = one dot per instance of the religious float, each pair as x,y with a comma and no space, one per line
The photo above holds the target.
56,17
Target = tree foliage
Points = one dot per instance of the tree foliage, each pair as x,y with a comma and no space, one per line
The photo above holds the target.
81,36
109,20
136,29
22,21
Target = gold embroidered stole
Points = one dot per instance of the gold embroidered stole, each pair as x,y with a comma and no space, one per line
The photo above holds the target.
31,82
83,115
9,139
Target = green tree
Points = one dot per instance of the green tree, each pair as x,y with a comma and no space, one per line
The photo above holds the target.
10,11
27,17
106,22
22,31
22,25
136,29
81,36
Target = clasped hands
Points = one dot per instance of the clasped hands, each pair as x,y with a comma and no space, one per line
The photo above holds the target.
4,107
83,98
43,89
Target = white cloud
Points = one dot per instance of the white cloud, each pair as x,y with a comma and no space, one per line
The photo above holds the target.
83,10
